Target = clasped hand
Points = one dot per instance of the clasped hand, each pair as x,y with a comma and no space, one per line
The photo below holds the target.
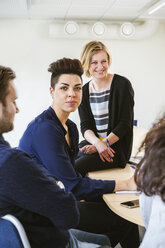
105,153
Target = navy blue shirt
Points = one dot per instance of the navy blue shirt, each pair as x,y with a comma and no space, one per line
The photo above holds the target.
29,192
44,140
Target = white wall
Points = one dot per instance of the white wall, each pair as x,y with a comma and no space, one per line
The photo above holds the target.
26,47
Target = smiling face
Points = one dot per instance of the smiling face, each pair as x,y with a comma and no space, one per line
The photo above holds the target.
99,65
8,110
67,94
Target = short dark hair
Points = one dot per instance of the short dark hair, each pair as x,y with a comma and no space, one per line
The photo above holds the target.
64,66
150,172
6,74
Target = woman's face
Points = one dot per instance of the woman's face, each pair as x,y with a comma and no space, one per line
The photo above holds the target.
99,65
67,93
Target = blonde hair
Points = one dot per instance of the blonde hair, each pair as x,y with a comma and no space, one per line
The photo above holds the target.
89,50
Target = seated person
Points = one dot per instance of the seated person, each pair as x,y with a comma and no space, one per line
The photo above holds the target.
52,140
150,178
106,113
30,193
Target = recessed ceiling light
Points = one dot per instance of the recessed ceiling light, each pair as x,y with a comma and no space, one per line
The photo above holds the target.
98,29
127,29
71,28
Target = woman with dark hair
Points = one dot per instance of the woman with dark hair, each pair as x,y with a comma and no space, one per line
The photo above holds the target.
150,179
52,140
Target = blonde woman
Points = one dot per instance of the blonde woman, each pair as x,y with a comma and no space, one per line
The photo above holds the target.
106,113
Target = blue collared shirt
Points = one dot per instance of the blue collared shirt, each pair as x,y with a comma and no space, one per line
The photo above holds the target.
44,140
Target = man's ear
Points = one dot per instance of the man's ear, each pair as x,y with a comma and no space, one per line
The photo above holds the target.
1,107
51,91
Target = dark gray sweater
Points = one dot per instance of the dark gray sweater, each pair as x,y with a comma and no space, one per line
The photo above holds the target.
121,103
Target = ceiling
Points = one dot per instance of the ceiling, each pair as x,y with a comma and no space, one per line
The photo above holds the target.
100,10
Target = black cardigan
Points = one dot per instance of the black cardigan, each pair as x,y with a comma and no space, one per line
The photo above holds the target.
121,103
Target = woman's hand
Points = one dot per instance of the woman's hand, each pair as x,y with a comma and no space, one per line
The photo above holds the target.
105,153
128,184
131,183
88,149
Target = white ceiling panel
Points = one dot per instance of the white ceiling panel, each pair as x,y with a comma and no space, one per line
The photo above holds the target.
121,13
89,12
91,2
89,8
127,10
13,9
57,9
49,13
131,3
50,2
158,15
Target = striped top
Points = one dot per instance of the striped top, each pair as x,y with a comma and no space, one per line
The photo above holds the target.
99,102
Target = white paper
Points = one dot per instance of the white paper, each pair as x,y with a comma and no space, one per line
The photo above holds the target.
127,192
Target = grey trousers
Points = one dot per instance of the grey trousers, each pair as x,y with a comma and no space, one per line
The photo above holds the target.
80,239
